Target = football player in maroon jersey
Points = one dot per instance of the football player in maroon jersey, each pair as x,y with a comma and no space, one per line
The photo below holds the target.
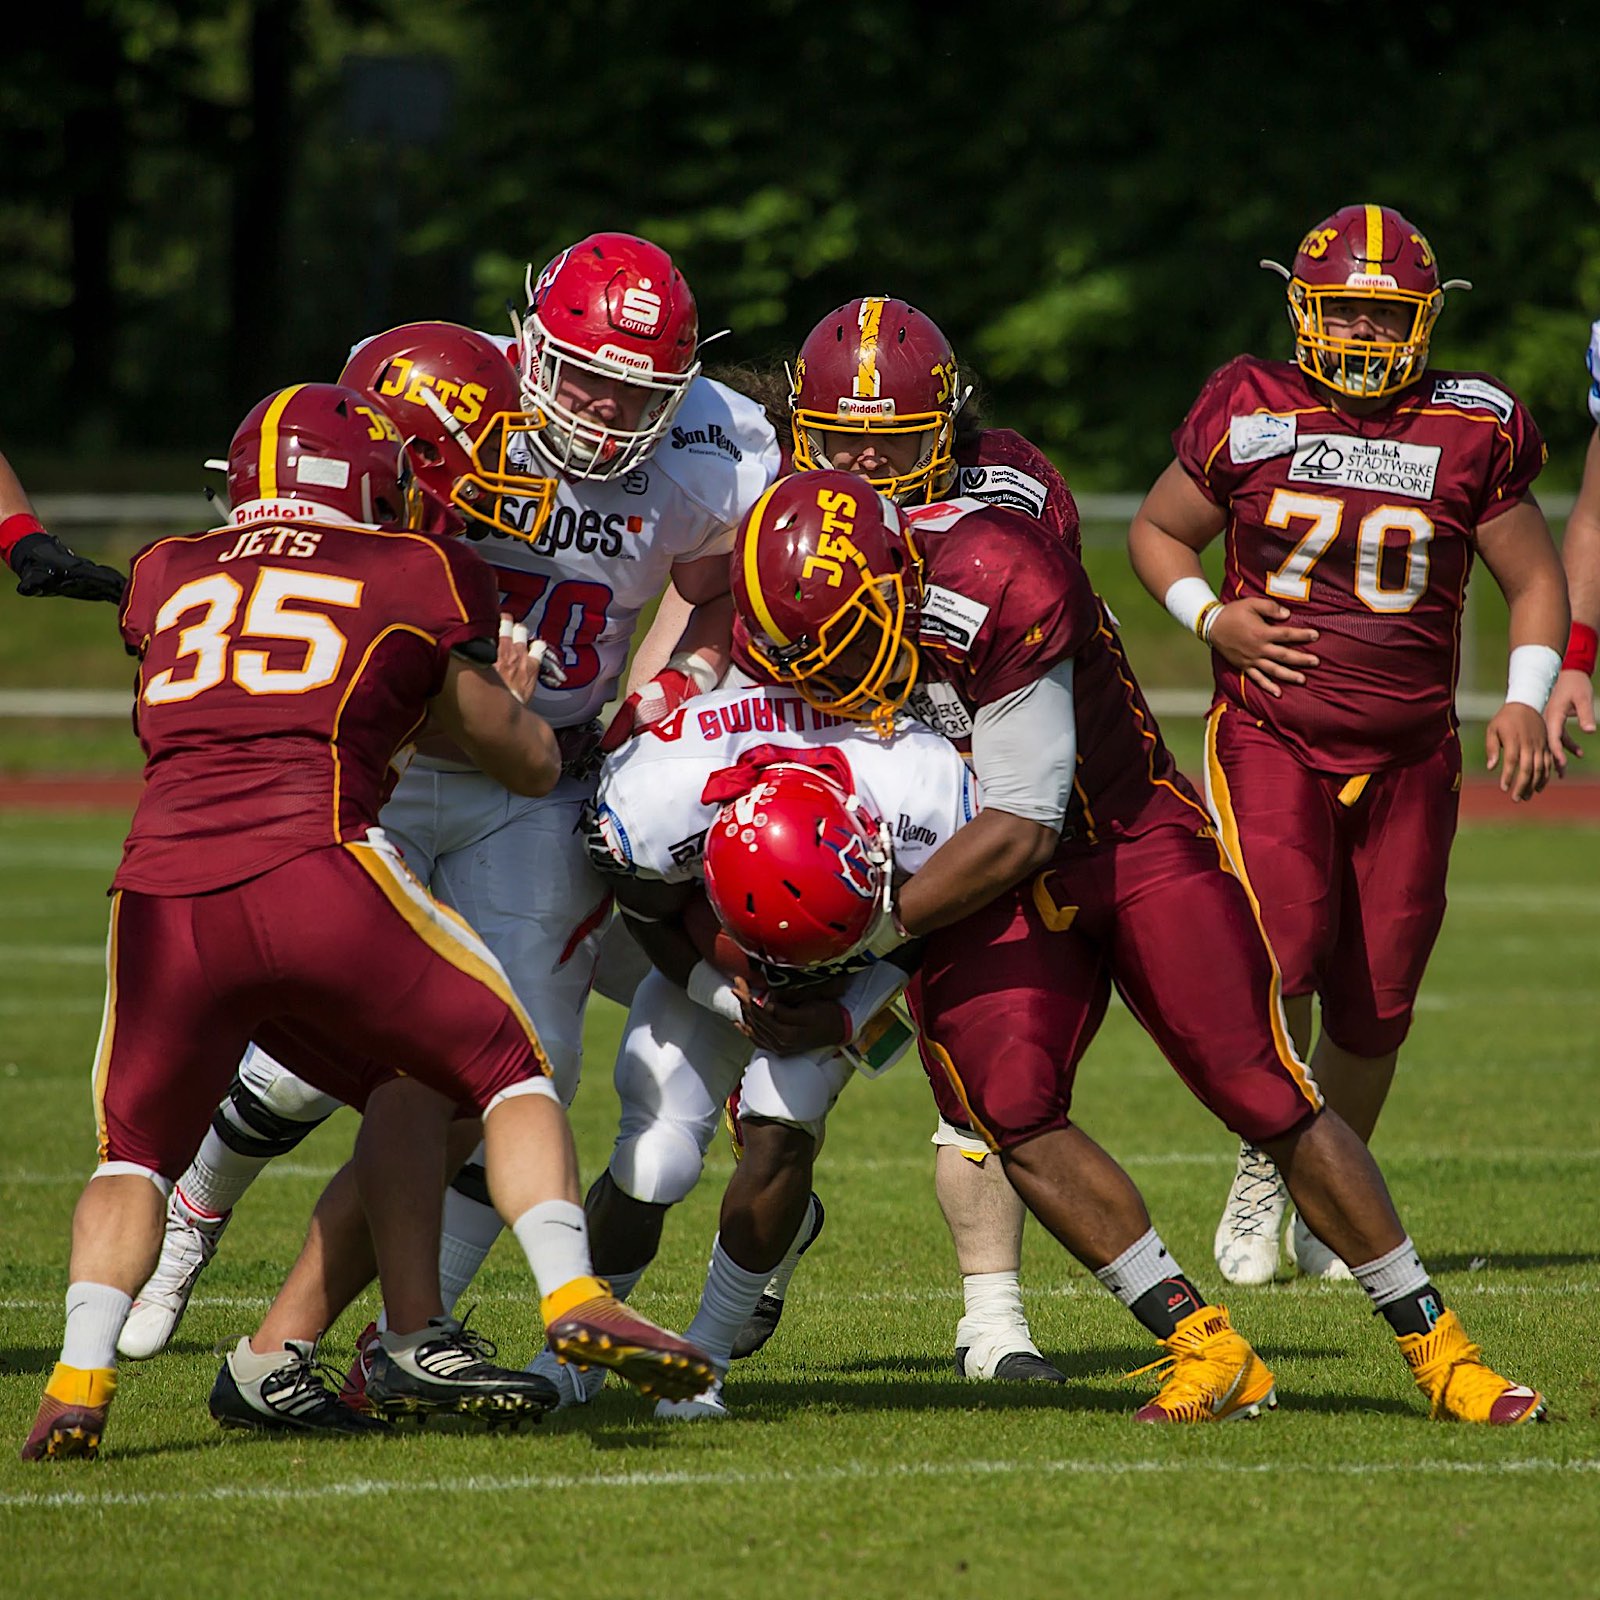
42,564
284,659
1573,696
1355,487
1091,865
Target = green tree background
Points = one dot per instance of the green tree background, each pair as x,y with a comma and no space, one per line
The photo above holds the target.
204,199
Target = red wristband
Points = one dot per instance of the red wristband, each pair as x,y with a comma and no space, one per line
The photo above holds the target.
1581,644
17,528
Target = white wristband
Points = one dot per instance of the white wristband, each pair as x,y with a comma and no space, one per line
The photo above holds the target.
1532,675
709,988
690,664
1187,599
869,991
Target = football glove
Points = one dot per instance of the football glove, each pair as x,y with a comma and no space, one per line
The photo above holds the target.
683,677
45,566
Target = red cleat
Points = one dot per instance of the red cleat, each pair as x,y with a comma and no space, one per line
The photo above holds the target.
588,1326
72,1415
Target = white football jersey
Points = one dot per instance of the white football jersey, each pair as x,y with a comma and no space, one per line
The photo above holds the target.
648,810
1594,373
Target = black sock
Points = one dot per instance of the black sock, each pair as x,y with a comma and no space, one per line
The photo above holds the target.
1162,1308
1416,1311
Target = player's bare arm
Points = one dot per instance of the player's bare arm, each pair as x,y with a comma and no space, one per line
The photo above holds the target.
1517,549
1573,696
1169,530
43,564
507,741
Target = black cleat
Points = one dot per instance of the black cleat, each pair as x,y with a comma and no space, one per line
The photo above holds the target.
762,1323
294,1397
1020,1366
448,1368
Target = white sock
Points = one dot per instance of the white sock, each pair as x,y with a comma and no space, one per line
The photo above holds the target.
95,1315
555,1239
470,1228
217,1178
778,1283
1145,1263
726,1301
1394,1276
993,1300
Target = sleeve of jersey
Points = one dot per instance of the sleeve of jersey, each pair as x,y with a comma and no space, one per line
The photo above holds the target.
1518,457
468,601
133,615
646,823
1043,613
1021,469
1201,443
748,463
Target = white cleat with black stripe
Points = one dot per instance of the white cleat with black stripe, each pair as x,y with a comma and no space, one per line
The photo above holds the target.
448,1368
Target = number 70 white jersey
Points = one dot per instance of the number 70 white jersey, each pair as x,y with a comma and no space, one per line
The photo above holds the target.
651,820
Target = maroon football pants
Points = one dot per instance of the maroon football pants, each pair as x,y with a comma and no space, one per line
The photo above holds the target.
1349,871
1009,998
338,962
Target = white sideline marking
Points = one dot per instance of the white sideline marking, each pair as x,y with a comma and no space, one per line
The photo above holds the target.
59,955
1510,897
521,1483
225,1302
75,857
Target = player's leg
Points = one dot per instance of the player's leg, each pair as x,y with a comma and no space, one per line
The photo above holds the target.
167,1044
1221,1027
516,870
1277,819
267,1112
463,1033
767,1206
1009,1001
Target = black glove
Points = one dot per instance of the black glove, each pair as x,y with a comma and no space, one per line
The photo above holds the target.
44,565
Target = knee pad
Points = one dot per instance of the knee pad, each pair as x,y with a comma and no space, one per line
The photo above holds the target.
658,1164
249,1126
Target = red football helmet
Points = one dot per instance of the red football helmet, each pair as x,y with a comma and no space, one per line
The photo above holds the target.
323,447
455,397
1364,252
797,870
825,577
878,366
610,310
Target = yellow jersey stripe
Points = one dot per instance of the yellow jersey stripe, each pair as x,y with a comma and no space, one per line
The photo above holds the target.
108,1032
942,1056
867,381
268,464
1374,238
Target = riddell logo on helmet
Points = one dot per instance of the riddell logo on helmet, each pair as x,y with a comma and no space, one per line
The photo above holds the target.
1370,280
849,406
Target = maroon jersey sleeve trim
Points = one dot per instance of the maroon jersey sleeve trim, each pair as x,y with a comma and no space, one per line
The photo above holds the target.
344,700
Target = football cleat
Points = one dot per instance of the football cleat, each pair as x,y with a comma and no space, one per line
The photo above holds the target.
72,1414
1246,1246
588,1326
762,1323
577,1386
353,1391
1015,1366
293,1396
1311,1258
707,1406
1211,1374
187,1246
448,1368
1450,1370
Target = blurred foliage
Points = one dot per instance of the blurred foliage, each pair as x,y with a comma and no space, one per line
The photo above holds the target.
1079,192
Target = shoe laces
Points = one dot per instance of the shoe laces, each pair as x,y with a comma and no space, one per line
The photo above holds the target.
310,1373
468,1339
1254,1201
1189,1371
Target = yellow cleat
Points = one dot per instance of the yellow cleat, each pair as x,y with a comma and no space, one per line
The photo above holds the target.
72,1414
1450,1370
1212,1374
586,1325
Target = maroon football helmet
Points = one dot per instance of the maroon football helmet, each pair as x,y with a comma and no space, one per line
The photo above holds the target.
825,577
454,395
322,446
1364,252
797,870
881,367
610,310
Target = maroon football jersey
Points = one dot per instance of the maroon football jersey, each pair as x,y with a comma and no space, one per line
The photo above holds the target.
1364,528
282,665
1002,468
1002,603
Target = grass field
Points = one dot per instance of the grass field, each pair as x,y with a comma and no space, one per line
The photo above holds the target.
855,1464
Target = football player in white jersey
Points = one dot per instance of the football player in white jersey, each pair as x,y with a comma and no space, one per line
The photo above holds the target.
687,1044
1573,695
652,465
